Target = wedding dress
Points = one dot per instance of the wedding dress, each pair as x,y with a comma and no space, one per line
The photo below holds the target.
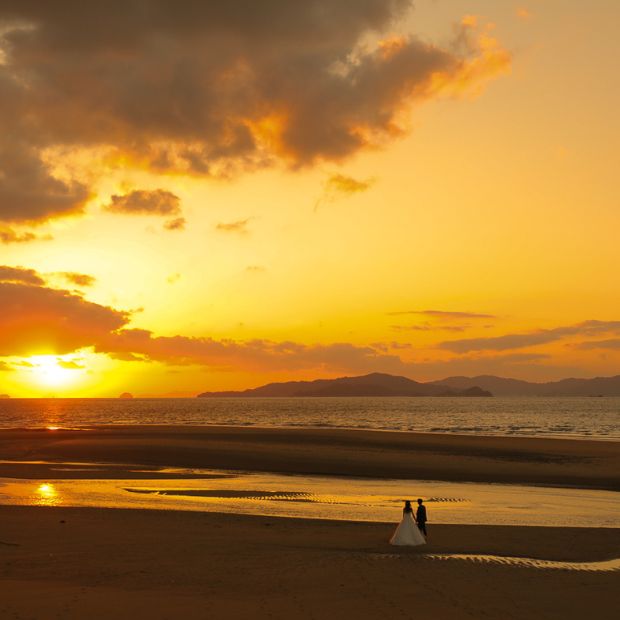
407,532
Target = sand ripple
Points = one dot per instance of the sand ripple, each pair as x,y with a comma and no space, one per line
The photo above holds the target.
602,566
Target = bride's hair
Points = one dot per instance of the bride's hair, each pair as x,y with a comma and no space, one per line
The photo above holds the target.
407,506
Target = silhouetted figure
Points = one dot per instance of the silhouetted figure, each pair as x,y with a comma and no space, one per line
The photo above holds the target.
420,517
407,533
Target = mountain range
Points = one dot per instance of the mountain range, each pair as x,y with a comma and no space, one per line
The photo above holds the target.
380,384
500,386
374,384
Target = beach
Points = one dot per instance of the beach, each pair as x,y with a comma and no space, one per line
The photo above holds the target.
64,562
85,563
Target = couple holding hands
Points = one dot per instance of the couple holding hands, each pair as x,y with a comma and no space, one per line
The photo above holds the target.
411,531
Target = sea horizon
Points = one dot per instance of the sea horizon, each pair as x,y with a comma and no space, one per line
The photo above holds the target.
529,416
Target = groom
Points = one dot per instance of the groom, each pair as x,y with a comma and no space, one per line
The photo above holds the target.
420,517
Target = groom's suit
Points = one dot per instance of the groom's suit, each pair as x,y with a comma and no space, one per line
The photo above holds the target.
420,517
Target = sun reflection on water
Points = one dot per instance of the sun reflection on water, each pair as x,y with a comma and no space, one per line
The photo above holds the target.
47,495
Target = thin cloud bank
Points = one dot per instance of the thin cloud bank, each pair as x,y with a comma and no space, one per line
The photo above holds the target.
530,339
444,314
206,88
339,185
240,226
610,343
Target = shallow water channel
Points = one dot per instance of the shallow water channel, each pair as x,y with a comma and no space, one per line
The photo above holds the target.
321,497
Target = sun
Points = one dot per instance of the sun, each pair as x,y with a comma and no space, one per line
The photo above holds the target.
54,371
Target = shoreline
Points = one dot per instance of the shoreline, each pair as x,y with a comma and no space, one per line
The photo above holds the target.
560,462
301,427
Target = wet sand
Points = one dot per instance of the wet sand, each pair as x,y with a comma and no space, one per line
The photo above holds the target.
556,462
93,563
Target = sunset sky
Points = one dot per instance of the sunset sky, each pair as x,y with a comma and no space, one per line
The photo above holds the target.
202,195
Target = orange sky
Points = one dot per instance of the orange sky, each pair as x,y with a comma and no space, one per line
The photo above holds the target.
215,198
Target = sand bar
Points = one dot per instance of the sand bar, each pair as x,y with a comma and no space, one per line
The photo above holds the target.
378,454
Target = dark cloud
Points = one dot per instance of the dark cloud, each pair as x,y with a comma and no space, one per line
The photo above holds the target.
20,275
79,279
145,202
36,319
204,88
240,226
530,339
28,191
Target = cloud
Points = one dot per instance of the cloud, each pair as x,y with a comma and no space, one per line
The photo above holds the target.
28,191
248,355
444,315
611,343
255,269
529,339
339,185
206,88
79,279
428,327
20,275
240,227
69,365
37,319
177,223
145,202
529,366
8,235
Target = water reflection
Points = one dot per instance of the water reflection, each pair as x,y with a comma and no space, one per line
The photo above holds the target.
328,498
47,495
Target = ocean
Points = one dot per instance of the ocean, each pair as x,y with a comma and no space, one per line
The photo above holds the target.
595,418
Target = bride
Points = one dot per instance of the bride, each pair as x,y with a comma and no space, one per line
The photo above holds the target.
407,532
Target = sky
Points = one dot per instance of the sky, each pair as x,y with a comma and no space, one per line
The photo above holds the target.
206,196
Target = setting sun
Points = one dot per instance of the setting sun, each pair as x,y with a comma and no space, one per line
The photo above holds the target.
54,371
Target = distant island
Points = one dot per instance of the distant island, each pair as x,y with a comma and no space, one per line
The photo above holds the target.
500,386
374,384
380,384
4,396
